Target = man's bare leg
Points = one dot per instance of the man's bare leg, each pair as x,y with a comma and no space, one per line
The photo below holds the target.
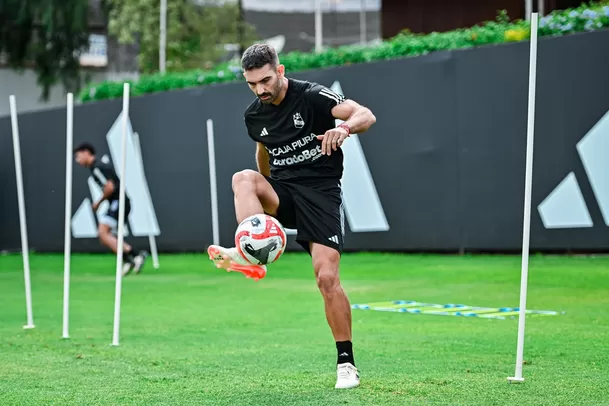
109,240
338,310
326,262
253,195
132,260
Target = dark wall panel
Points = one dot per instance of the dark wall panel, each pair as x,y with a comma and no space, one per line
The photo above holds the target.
493,104
9,218
570,103
492,110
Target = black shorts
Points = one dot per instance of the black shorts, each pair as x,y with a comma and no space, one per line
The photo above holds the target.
315,210
110,217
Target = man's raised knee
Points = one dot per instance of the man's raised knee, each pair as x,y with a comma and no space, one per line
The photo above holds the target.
245,179
249,185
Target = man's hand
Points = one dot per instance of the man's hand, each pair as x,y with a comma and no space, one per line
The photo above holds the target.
109,188
332,140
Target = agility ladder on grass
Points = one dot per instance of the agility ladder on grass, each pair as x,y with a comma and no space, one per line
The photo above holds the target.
414,307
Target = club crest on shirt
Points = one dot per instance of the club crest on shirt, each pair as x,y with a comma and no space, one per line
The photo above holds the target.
298,121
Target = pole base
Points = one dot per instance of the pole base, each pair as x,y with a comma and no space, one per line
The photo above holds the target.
28,326
515,380
114,345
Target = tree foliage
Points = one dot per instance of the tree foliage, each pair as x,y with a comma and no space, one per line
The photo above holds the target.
194,33
47,35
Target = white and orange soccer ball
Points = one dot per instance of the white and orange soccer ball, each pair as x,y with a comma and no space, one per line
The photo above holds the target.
260,239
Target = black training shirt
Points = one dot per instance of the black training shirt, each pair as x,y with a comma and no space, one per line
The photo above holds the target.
102,173
288,132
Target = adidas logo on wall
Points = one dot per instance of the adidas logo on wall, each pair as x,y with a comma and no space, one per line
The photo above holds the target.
142,221
565,207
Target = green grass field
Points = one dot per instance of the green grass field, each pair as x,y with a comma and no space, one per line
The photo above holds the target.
194,335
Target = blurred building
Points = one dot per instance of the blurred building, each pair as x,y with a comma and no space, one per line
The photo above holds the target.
294,21
425,16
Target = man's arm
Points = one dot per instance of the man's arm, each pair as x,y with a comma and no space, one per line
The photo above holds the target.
262,160
357,117
107,192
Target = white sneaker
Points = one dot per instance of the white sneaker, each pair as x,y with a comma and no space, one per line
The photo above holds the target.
138,262
347,376
127,267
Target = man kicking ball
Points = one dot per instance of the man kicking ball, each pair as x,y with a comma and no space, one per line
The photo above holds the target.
300,166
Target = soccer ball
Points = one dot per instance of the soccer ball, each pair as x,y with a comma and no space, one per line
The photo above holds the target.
260,239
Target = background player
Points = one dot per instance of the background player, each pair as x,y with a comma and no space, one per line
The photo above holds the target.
105,176
300,166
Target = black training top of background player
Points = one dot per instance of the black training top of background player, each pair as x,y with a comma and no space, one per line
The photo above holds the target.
102,173
289,132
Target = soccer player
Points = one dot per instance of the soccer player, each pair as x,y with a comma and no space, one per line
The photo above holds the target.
105,176
300,166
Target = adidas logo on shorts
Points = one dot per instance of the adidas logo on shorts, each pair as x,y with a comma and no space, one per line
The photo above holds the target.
264,132
334,239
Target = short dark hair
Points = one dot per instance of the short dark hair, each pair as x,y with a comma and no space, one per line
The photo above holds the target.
85,146
258,55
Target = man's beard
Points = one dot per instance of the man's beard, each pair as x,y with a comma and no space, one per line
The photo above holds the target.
268,100
272,96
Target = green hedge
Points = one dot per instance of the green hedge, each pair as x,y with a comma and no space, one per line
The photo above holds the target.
584,18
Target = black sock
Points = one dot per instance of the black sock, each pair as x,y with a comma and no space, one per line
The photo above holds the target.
128,256
345,352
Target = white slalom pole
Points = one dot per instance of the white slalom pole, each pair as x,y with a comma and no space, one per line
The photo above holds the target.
528,185
362,23
162,36
25,250
121,217
151,238
318,27
68,215
154,251
212,182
